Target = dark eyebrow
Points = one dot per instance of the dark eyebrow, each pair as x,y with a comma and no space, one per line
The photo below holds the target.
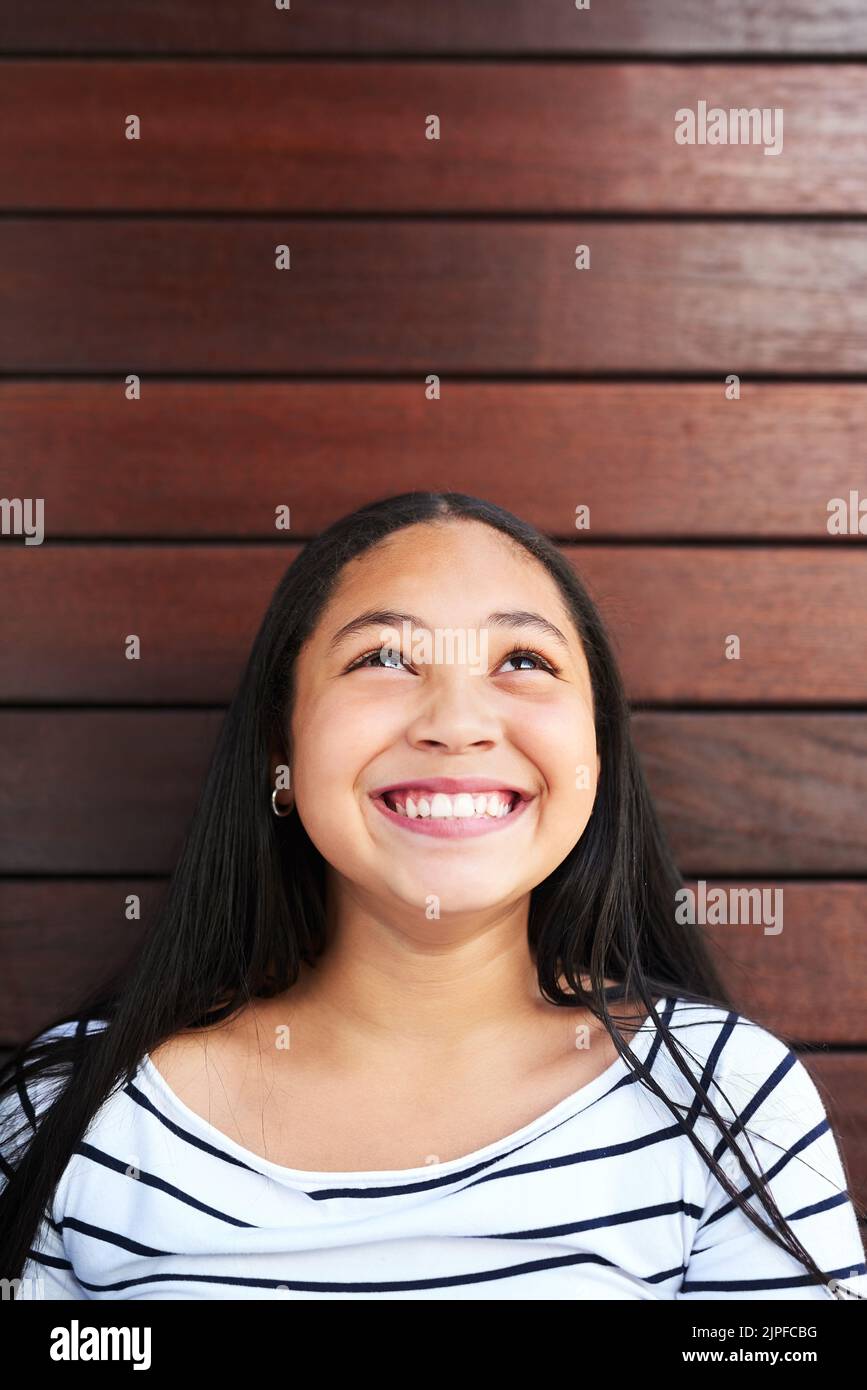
386,617
374,617
523,619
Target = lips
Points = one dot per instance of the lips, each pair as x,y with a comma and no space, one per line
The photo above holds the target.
452,827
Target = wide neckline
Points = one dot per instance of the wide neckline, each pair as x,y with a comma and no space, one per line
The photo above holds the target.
582,1097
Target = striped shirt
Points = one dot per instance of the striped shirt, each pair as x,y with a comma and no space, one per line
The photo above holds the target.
603,1196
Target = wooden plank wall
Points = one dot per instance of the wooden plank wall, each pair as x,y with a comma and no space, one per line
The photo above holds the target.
709,516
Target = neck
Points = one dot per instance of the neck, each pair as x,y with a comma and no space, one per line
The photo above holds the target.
418,989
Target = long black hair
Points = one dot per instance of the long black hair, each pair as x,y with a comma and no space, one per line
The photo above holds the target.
245,906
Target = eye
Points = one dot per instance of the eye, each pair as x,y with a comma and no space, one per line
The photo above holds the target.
393,658
530,654
386,658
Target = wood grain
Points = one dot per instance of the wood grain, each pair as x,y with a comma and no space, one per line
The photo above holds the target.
652,460
349,137
841,1078
751,793
449,27
424,297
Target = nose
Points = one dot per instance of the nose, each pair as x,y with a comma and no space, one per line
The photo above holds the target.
455,714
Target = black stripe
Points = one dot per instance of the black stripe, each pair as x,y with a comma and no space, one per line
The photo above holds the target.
795,1281
141,1099
539,1166
836,1201
821,1128
72,1223
97,1156
829,1202
709,1071
52,1260
760,1096
392,1286
619,1218
426,1184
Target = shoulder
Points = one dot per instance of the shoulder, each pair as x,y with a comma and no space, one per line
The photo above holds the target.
189,1060
722,1045
731,1053
756,1081
32,1081
771,1117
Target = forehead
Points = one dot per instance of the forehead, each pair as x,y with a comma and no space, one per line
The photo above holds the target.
450,574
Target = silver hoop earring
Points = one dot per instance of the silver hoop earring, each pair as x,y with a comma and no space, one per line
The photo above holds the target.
281,814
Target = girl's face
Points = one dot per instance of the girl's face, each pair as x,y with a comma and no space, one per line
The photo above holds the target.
428,701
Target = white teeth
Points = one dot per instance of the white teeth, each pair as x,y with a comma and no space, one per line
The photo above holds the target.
465,805
443,806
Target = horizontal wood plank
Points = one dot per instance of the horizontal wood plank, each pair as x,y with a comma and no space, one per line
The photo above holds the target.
423,297
348,137
800,617
60,939
750,793
841,1079
449,27
756,794
650,459
804,982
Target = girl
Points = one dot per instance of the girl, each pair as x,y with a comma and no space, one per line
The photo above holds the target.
416,1019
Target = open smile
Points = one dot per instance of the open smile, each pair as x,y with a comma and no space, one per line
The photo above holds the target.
459,815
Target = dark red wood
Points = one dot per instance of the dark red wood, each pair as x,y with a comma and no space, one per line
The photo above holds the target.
421,297
841,1078
654,460
449,27
350,137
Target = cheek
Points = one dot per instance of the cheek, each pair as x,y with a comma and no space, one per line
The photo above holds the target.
333,747
571,774
561,741
322,781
